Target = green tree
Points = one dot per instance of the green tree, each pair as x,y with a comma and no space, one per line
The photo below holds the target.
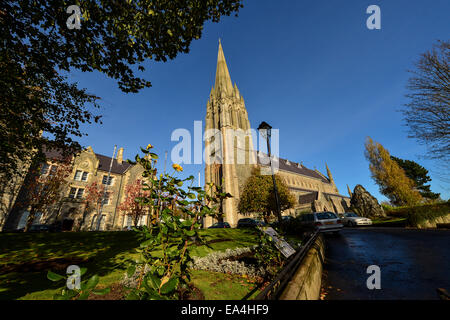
419,175
389,176
258,195
38,105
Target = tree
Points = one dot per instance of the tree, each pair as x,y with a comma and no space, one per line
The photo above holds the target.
44,189
38,50
258,195
131,205
427,114
389,176
95,194
419,175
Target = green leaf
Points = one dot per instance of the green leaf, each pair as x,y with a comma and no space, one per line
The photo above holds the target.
101,292
169,286
190,233
93,281
153,281
82,271
58,296
54,276
131,270
133,296
84,295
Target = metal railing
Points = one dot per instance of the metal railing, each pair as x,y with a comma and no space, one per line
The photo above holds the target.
276,287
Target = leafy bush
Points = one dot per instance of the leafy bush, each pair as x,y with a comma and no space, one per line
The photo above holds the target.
162,272
86,287
417,215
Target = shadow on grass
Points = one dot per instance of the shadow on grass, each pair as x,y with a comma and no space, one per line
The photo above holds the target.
103,252
25,258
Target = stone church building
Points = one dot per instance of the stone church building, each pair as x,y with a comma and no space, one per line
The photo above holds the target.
226,115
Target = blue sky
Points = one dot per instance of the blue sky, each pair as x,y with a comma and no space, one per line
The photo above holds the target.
309,68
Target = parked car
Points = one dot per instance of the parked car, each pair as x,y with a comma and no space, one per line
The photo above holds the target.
323,221
250,223
220,225
352,219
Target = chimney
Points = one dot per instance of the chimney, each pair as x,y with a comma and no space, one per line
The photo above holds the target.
120,156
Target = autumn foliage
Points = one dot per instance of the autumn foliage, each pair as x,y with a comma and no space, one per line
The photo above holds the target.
390,177
44,190
259,196
131,206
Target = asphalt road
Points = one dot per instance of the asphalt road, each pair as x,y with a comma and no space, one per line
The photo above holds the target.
413,263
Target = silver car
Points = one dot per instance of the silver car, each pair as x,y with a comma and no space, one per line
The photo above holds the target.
323,221
352,220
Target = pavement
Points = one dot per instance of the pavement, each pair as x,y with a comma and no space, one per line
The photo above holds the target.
413,263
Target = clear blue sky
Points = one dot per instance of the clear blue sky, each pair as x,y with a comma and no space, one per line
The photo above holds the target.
310,68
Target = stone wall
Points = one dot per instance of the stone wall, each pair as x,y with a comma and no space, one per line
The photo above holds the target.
307,280
432,223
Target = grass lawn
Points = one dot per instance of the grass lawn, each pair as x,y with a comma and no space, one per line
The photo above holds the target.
26,258
390,222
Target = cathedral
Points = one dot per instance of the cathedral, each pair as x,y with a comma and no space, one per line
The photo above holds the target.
232,156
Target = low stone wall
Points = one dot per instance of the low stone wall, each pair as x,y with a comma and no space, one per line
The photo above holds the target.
432,223
307,280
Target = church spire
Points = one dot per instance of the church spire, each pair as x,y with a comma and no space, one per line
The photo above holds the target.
330,177
349,191
223,79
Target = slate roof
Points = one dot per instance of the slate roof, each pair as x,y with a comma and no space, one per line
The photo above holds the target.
104,163
297,168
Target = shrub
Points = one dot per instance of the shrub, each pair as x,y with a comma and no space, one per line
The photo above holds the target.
417,215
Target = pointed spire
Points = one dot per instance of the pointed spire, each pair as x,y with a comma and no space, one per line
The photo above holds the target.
349,191
330,177
223,79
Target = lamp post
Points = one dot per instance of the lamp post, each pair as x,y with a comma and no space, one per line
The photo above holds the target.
266,131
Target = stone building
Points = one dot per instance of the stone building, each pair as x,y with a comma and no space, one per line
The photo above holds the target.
88,167
228,137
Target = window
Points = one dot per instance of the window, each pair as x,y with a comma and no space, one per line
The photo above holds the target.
107,181
78,175
45,168
106,198
76,193
80,193
73,192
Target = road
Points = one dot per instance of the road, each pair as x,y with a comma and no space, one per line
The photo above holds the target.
413,263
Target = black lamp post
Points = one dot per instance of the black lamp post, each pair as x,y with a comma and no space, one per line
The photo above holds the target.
266,131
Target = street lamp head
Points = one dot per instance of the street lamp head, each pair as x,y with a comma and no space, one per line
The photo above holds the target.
265,128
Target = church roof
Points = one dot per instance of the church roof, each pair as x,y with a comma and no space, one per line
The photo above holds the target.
293,167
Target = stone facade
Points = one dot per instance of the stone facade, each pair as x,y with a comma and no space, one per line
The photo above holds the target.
227,121
88,167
